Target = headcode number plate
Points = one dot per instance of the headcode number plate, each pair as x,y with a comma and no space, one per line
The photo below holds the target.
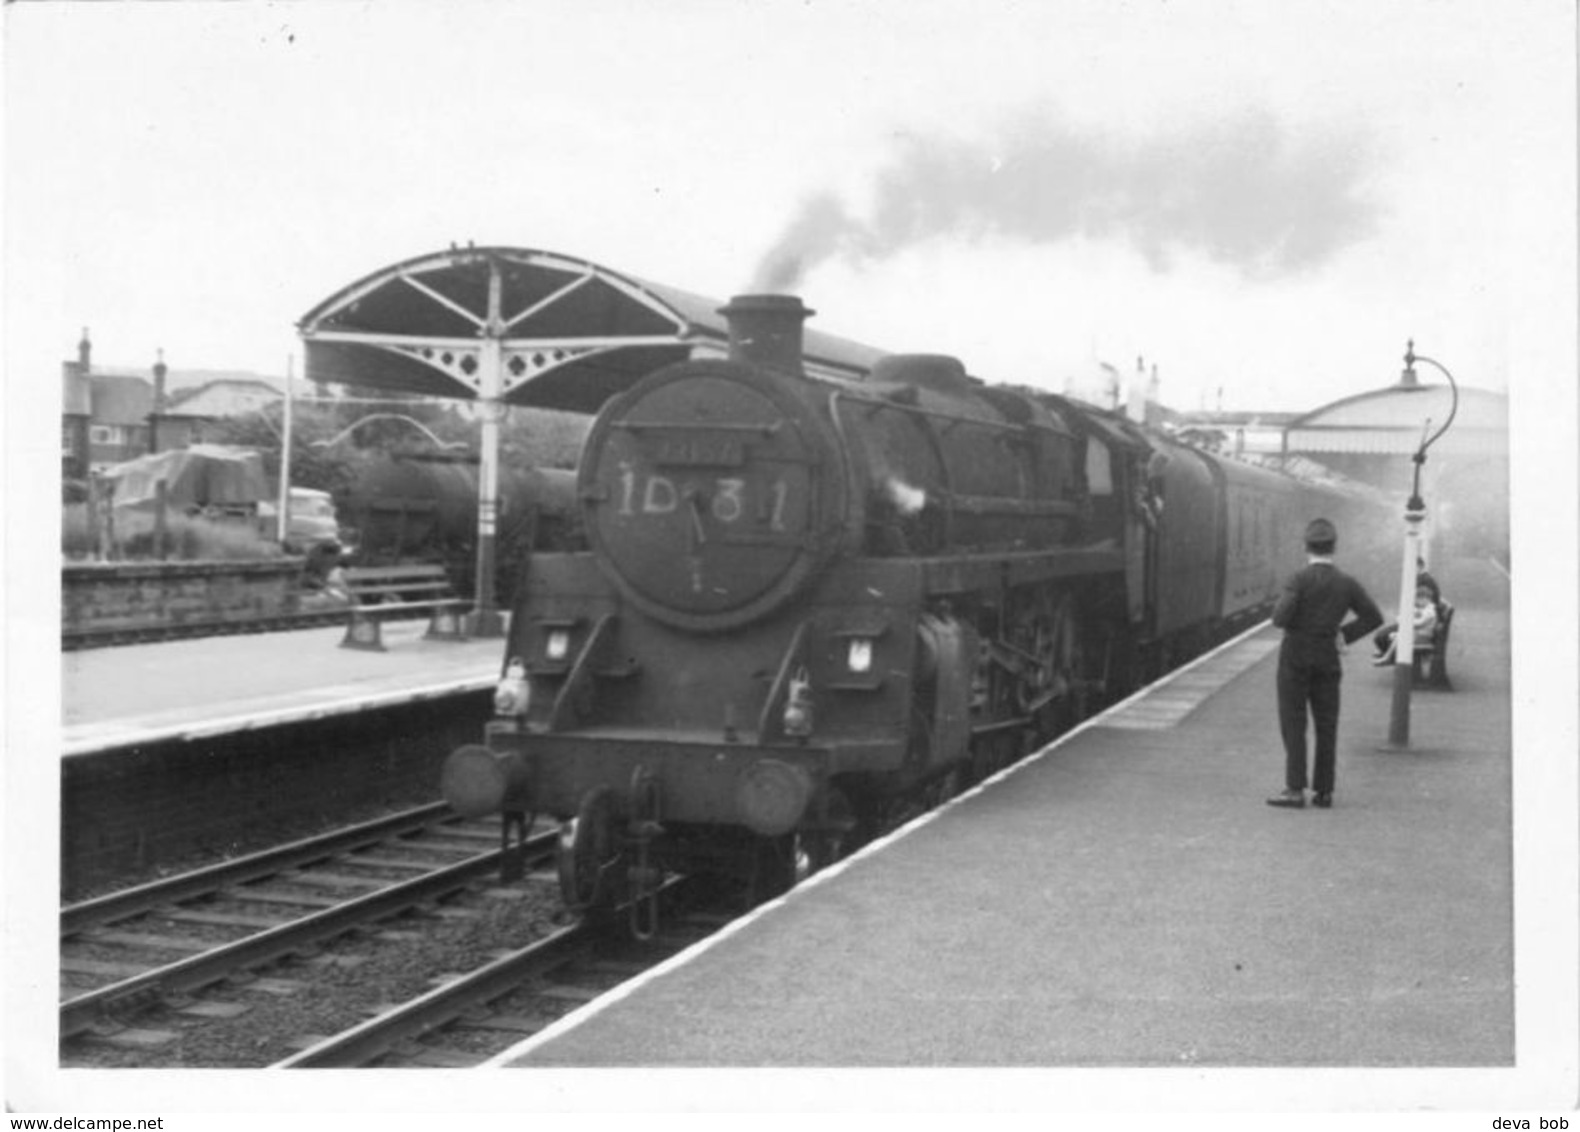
699,452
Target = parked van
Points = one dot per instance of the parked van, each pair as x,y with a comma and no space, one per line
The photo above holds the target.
312,520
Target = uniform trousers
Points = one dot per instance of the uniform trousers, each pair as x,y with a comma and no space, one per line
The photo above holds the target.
1306,685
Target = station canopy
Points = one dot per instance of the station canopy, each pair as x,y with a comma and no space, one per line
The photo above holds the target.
1390,421
570,334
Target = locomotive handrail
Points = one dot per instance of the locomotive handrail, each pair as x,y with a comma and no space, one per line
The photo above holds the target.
960,573
697,426
875,404
989,504
872,629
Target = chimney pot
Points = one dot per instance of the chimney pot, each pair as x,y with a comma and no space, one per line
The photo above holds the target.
766,330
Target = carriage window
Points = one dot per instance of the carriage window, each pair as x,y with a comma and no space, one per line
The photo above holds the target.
1099,471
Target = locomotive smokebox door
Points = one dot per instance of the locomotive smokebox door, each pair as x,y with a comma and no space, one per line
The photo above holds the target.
707,488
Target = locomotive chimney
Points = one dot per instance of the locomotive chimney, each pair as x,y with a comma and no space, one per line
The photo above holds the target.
1136,394
765,330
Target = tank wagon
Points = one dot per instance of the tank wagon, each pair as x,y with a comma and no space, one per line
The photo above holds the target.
810,606
418,505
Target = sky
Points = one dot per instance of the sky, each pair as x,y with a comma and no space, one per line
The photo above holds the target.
1264,201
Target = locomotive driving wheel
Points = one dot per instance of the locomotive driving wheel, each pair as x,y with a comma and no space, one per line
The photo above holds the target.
588,852
1053,689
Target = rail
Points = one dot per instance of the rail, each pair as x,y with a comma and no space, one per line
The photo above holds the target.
79,1014
363,1044
255,866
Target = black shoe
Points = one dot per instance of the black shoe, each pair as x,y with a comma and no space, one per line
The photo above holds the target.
1322,801
1291,799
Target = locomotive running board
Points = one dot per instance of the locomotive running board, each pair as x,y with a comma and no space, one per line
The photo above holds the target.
970,573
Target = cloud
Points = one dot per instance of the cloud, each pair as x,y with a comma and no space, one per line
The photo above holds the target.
1241,192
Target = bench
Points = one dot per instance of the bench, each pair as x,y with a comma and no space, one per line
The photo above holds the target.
381,593
1433,653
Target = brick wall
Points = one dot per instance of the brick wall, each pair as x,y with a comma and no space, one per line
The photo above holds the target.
128,811
100,596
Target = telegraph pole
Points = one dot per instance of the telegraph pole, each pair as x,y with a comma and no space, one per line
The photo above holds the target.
283,513
160,369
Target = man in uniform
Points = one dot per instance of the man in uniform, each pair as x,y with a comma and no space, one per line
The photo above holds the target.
1311,612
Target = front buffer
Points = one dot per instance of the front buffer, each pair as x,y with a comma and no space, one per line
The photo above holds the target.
635,808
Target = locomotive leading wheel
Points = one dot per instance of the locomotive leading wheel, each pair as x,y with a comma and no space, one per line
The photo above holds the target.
818,845
587,852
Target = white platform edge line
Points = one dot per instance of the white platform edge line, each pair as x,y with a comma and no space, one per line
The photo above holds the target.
127,735
590,1010
1169,711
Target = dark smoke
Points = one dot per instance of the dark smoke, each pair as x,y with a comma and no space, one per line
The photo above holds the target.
1240,192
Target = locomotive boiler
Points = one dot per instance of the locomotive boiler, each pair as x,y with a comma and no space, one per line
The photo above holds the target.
809,606
419,505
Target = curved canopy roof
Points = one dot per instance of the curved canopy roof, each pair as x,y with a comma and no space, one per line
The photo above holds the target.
570,333
1391,420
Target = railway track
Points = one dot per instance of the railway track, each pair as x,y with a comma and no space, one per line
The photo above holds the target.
471,1017
162,942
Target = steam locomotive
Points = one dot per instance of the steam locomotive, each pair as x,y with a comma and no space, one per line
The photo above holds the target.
809,606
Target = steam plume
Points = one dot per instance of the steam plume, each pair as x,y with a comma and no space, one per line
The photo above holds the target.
1240,192
907,500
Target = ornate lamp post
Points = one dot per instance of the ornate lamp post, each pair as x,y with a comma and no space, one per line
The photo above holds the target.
1414,516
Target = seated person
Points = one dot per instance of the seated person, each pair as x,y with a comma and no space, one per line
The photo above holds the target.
324,571
1422,578
1424,621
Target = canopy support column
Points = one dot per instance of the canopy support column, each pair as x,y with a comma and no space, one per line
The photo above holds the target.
485,620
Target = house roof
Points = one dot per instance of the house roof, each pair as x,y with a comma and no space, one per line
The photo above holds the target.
208,399
120,400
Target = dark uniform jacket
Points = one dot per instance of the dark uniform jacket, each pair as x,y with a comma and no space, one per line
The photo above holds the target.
1312,608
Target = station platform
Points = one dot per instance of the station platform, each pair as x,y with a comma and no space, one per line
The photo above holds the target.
211,686
1125,898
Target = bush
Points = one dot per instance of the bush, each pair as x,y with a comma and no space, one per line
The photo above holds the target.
188,538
